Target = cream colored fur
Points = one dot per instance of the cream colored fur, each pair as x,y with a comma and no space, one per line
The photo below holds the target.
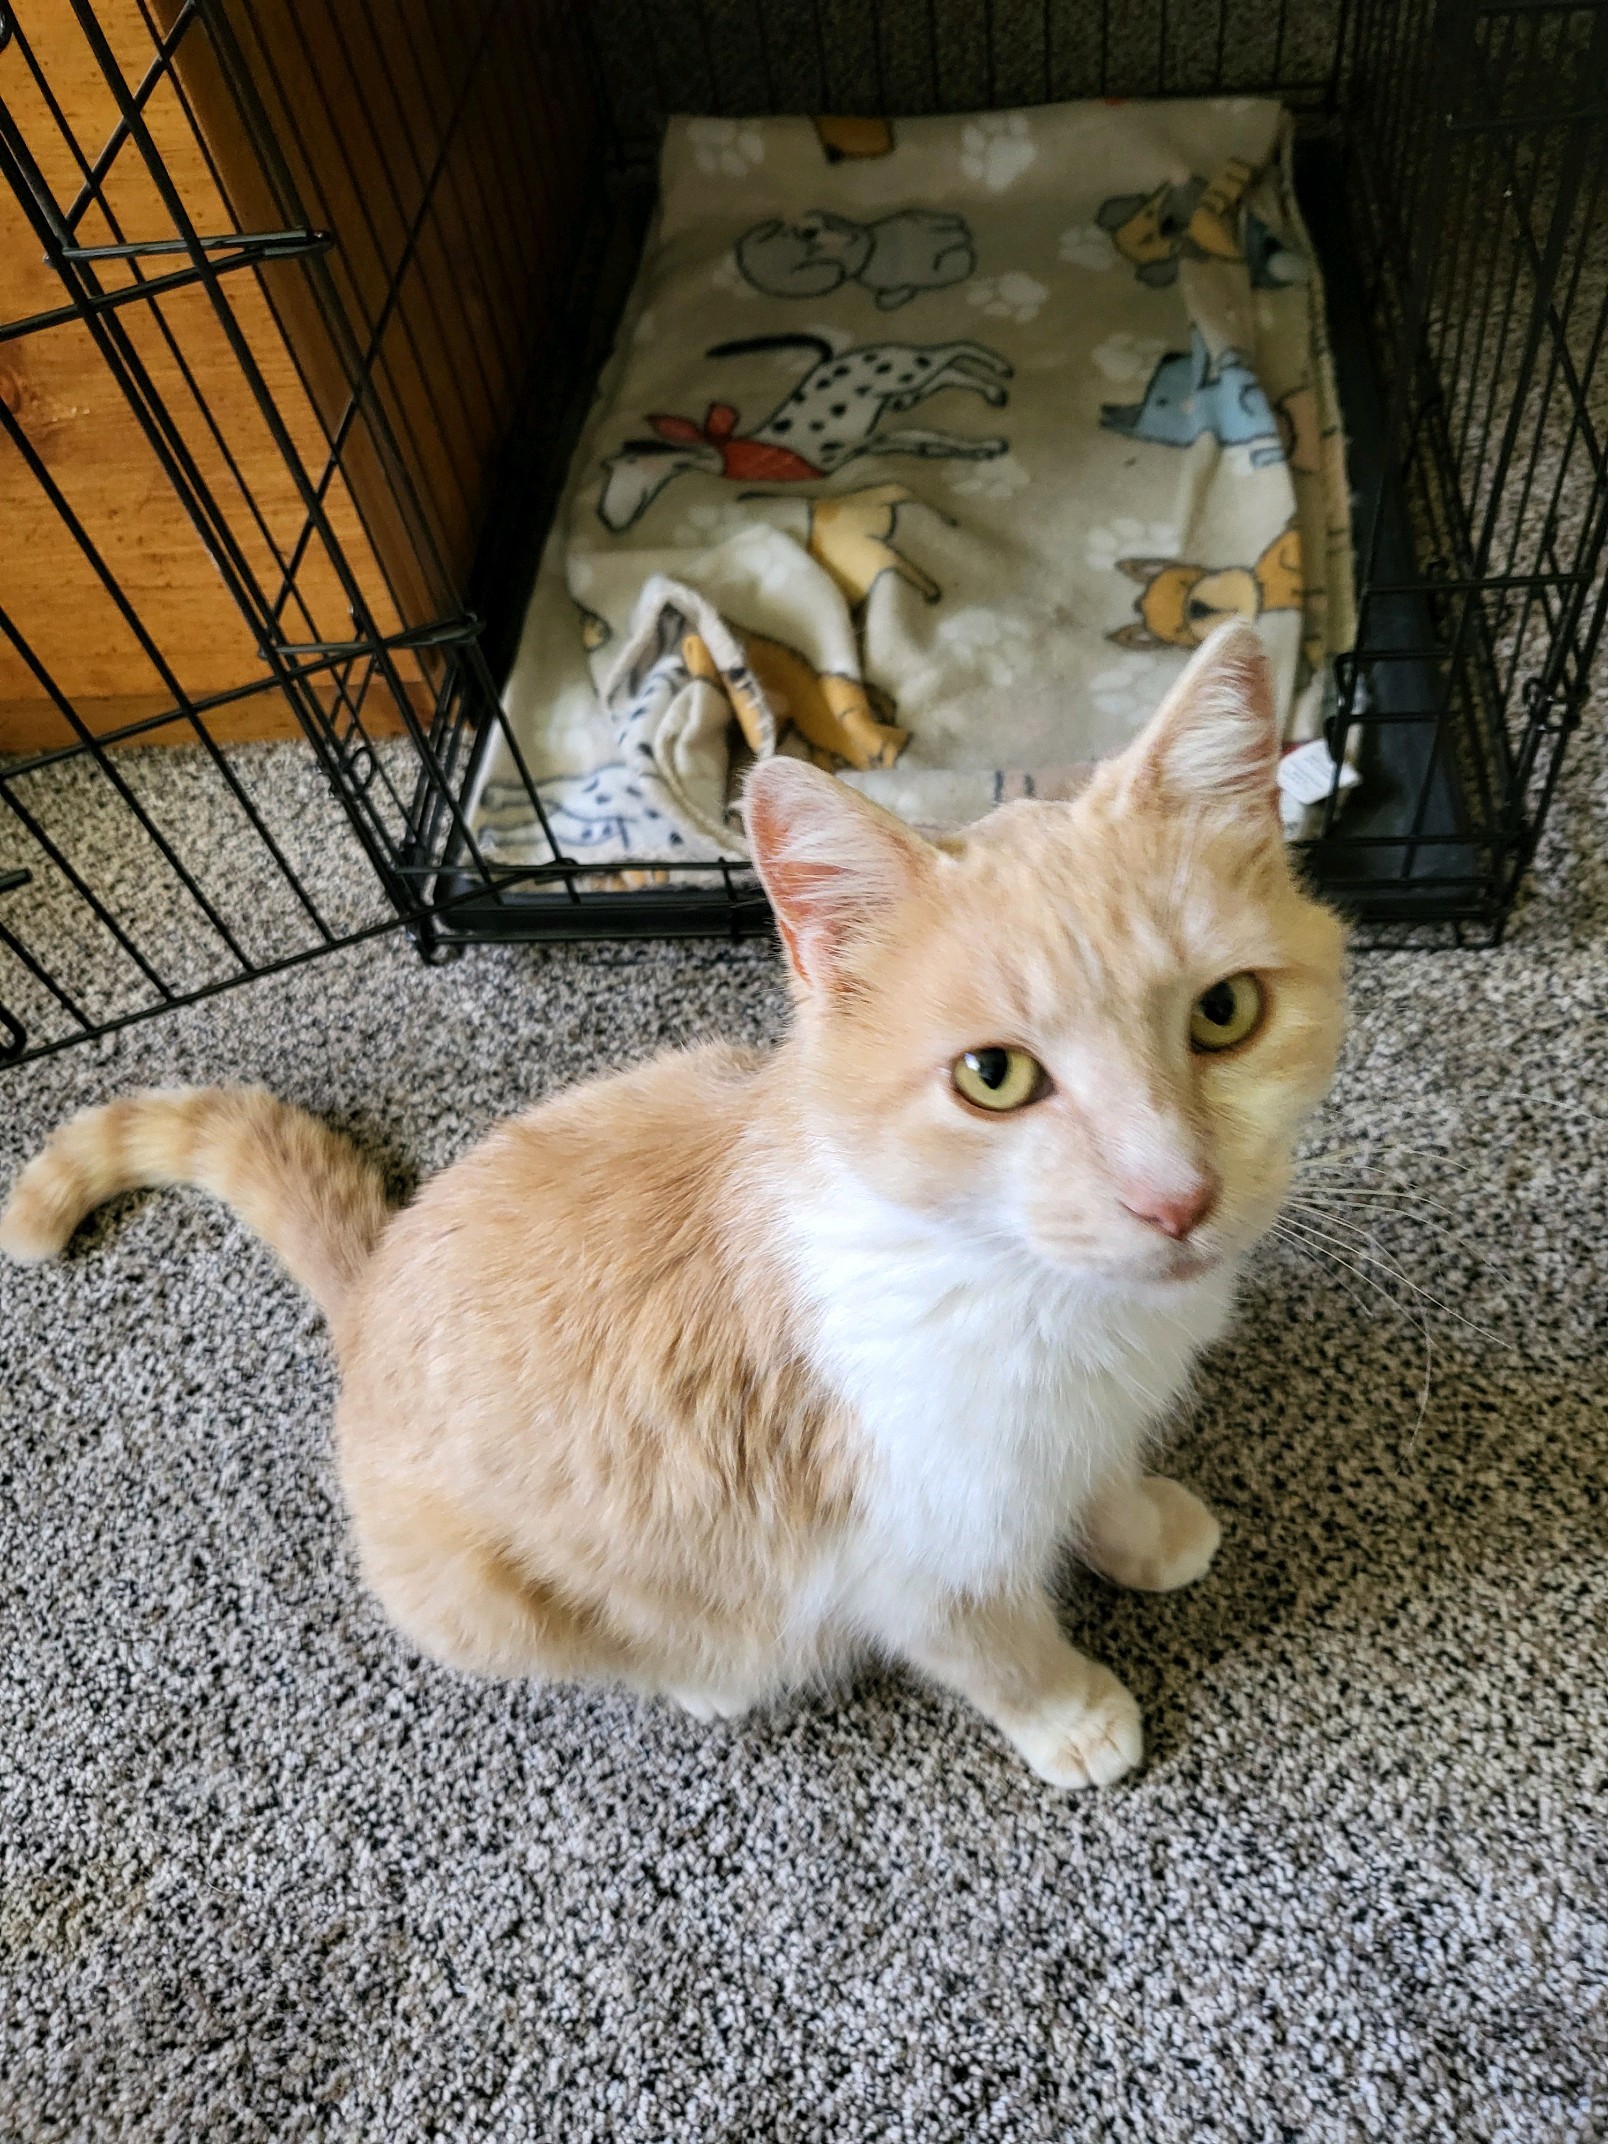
709,1377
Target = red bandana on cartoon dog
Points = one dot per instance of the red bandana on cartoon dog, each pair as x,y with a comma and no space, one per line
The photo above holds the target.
748,460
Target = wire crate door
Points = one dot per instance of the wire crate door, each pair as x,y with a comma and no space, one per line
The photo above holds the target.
273,277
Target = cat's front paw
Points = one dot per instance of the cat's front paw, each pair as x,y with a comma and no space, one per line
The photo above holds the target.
710,1704
1086,1741
1154,1535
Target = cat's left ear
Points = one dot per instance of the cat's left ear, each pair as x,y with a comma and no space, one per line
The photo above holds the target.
1215,737
833,864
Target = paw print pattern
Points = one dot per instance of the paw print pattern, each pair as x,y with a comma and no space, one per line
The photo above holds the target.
1126,538
996,479
1012,296
725,146
990,642
1085,245
1129,357
728,277
996,148
1132,691
709,522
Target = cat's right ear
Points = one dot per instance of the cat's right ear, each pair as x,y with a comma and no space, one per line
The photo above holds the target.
1214,740
832,863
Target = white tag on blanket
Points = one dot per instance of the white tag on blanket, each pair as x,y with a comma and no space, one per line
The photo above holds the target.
1307,774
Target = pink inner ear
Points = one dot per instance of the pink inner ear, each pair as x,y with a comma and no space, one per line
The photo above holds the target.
828,859
792,884
802,918
1216,733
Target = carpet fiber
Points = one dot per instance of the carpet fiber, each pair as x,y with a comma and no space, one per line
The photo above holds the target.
268,1874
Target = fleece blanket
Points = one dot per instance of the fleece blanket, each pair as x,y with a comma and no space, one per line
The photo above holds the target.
931,449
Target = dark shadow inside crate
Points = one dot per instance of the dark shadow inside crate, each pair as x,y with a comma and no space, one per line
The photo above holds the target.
1407,830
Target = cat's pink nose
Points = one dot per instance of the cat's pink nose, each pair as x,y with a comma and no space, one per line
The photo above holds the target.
1178,1213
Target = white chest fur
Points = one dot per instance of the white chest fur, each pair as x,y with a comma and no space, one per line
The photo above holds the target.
994,1392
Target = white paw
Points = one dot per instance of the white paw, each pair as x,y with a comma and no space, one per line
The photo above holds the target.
1191,1534
989,642
1011,296
1087,246
1084,1742
710,1704
993,477
725,146
1123,537
727,276
1158,1538
996,148
1133,689
1125,358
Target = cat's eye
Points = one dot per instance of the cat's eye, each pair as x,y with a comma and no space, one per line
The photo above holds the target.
1230,1012
999,1079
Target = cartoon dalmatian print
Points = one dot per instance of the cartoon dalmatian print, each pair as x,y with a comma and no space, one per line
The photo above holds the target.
835,414
617,809
622,808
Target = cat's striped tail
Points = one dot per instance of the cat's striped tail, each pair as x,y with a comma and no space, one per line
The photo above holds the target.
306,1191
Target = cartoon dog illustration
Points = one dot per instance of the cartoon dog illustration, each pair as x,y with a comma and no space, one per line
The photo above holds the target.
834,714
896,257
1189,394
1178,603
615,806
1299,428
1198,221
852,537
832,416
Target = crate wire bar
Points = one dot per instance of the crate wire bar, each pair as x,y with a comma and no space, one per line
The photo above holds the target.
362,381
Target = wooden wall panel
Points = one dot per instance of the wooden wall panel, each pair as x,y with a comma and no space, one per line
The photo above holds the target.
91,444
451,158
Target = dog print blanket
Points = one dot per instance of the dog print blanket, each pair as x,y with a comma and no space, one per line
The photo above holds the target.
930,449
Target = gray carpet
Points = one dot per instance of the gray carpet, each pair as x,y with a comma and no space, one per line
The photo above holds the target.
267,1874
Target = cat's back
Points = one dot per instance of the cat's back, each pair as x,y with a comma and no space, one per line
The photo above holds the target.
585,1300
598,1189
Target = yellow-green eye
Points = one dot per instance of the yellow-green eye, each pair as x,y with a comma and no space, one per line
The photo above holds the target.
1227,1013
998,1079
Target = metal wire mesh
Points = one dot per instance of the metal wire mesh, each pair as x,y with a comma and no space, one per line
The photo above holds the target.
732,57
343,278
329,441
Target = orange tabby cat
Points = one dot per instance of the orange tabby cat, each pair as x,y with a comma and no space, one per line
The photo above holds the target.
709,1376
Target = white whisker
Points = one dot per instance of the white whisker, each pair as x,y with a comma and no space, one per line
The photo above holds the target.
1360,1241
1354,1215
1375,1159
1319,1246
1379,1194
1306,1249
1354,1212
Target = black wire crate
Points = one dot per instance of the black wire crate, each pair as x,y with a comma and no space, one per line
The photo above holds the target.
302,303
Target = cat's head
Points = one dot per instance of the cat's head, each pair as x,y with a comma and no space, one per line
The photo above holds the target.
1092,1029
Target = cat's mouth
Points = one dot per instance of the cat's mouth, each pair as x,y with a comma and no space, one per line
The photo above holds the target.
1169,1265
1166,1266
